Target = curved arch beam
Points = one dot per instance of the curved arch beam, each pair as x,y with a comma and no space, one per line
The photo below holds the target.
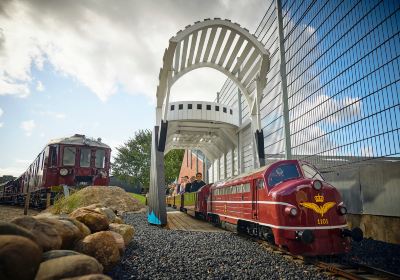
220,23
216,67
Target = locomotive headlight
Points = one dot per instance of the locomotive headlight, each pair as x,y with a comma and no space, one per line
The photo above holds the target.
342,210
63,171
292,211
317,184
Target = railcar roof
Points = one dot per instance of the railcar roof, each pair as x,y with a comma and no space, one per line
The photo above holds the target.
79,139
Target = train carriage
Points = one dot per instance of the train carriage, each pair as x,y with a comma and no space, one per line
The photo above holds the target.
70,161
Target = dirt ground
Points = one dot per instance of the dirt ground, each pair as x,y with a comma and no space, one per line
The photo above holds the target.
7,213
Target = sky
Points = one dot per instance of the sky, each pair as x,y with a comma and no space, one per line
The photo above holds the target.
91,67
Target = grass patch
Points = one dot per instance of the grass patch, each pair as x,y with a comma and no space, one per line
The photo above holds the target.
139,197
66,205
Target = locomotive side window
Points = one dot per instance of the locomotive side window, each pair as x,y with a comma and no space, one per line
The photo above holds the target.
310,172
100,158
260,184
282,173
69,156
53,156
85,157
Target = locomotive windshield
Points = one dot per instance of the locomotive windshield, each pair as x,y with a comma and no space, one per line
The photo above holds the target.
69,156
310,172
283,173
85,157
100,158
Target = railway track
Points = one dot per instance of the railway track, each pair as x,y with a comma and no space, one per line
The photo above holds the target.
347,270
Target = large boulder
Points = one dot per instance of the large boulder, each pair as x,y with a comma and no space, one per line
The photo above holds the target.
127,231
95,221
69,266
81,226
102,246
45,234
68,232
19,257
53,254
118,220
13,229
108,212
90,277
120,242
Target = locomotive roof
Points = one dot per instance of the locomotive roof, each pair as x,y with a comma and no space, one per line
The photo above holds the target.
243,175
79,139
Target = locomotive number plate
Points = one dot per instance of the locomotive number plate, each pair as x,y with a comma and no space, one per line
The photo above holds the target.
322,221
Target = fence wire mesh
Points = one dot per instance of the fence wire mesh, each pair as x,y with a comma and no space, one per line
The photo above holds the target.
343,81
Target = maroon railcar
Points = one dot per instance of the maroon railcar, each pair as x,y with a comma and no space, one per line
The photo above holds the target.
288,203
70,161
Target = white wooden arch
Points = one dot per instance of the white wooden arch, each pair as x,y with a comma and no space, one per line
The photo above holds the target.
228,48
221,45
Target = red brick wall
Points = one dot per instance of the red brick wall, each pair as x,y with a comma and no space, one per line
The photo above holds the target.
188,169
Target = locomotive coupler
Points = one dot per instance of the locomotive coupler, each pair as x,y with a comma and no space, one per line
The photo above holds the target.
306,236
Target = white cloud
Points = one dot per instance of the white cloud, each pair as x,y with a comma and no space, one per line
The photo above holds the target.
1,125
52,114
28,127
39,86
105,48
13,171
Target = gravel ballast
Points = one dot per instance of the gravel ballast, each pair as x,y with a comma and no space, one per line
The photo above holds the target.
158,253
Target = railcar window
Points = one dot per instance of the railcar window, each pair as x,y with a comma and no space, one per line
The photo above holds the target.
282,173
69,156
310,172
246,187
53,156
85,157
100,158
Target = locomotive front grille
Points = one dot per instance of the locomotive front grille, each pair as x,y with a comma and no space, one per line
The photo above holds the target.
83,180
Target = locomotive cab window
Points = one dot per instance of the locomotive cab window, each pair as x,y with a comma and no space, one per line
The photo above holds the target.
69,156
53,156
260,184
85,157
282,173
311,173
100,158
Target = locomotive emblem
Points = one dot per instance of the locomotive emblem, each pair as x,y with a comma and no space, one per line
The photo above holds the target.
318,209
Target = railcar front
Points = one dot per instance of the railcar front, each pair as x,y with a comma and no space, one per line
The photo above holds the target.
77,161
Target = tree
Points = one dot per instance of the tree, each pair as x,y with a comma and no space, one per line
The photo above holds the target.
132,162
172,164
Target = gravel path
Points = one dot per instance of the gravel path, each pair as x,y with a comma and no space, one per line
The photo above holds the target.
158,253
7,213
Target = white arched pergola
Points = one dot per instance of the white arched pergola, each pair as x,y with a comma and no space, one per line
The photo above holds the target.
227,48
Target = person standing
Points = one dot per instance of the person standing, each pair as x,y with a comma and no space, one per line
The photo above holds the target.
196,185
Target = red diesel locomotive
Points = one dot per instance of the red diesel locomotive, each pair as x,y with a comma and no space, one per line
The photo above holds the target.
70,161
287,203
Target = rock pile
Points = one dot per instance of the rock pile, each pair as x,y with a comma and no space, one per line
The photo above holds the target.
80,245
111,197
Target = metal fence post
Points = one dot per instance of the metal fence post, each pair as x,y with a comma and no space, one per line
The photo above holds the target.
285,101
